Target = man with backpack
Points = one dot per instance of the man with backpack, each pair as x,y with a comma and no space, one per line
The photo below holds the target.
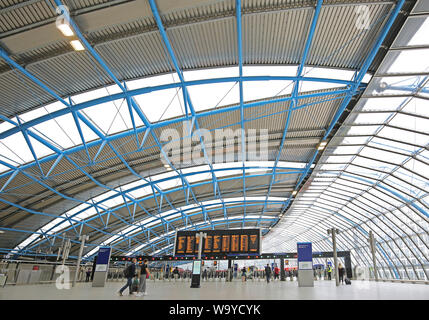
129,273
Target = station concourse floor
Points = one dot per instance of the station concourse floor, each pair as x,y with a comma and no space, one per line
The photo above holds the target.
214,290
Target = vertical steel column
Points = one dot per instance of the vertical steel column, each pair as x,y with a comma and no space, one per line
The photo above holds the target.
348,265
334,232
229,273
282,269
372,246
66,250
82,238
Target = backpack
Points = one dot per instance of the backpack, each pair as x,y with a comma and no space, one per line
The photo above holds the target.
347,281
127,271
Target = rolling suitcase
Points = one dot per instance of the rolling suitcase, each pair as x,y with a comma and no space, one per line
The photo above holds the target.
347,281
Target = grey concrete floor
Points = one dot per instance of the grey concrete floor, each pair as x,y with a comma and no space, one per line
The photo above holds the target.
258,290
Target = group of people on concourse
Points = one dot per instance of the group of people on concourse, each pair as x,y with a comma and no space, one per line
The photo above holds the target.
142,274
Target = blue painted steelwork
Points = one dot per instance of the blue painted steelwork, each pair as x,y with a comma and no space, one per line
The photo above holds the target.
130,101
187,98
294,96
145,90
104,140
355,87
240,83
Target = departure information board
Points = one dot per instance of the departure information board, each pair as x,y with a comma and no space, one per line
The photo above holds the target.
243,241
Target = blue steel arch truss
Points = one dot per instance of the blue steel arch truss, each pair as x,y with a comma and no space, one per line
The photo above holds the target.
162,230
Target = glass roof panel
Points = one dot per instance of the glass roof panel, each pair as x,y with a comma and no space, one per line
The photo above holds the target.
110,117
161,105
269,71
255,90
213,73
14,150
410,122
404,136
94,94
382,103
373,164
380,154
316,72
372,118
414,32
406,61
346,150
363,130
354,140
209,96
153,81
417,106
393,146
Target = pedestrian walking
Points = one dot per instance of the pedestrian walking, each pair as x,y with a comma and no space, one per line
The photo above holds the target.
144,274
268,273
129,274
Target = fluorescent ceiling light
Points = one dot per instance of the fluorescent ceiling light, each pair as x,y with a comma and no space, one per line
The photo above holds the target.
65,29
322,145
77,45
294,193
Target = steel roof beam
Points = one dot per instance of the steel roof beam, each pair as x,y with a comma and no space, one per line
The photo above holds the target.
135,92
295,93
240,83
186,97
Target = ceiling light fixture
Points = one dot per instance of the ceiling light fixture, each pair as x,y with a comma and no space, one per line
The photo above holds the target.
65,29
322,145
294,192
77,45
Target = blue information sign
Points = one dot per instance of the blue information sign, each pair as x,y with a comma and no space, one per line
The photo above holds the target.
305,255
103,256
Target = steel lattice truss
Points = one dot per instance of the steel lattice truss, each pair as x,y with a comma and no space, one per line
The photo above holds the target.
142,205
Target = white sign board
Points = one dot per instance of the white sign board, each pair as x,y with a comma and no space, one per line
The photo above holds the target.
101,267
305,265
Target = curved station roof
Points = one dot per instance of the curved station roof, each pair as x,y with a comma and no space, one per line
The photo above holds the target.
131,128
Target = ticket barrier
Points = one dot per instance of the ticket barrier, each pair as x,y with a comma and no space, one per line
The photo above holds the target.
214,275
24,273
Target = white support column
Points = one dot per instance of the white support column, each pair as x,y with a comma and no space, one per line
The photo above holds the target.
372,246
334,232
82,239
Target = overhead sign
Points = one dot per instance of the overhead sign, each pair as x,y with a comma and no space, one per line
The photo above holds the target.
244,241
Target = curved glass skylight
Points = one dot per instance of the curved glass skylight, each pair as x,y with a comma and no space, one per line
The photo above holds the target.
374,174
141,189
63,132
